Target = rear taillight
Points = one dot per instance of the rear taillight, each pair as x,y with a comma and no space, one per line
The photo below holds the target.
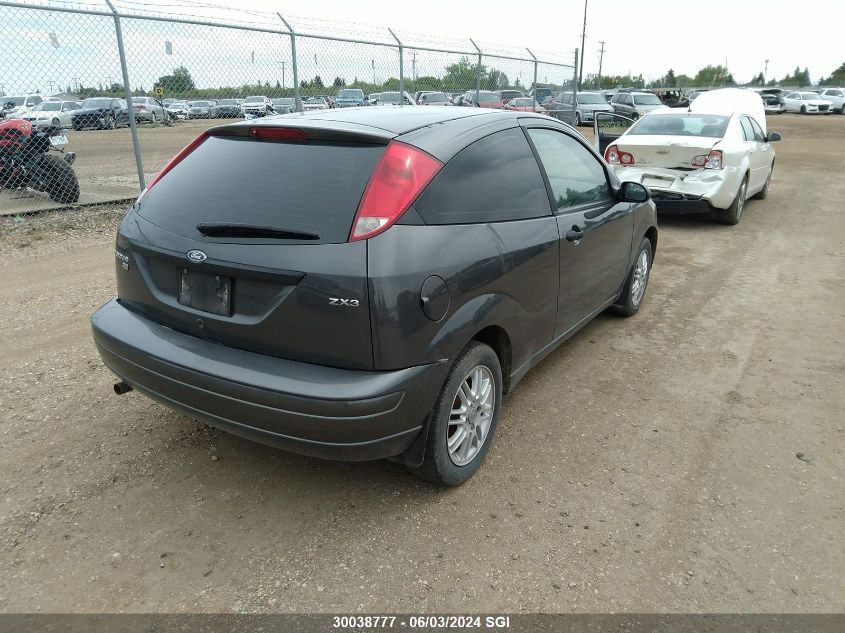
399,177
190,147
615,156
713,160
141,106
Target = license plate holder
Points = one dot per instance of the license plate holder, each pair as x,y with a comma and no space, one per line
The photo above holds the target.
658,182
207,292
58,140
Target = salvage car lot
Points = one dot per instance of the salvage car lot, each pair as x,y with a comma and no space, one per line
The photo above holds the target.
661,448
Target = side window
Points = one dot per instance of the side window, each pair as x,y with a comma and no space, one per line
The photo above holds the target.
567,98
576,176
493,180
758,131
747,130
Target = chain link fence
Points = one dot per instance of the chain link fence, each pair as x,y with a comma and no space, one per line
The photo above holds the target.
97,95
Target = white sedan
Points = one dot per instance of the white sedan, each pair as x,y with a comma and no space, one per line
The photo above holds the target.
836,96
807,103
710,157
48,113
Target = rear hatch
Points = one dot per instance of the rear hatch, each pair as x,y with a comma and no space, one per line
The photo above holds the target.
245,242
665,151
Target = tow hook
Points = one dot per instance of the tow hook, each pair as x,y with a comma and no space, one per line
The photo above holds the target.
70,157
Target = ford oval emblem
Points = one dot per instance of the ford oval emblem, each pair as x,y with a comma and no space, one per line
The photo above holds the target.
197,256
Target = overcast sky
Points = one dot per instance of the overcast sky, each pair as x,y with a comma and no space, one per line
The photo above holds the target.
49,50
646,36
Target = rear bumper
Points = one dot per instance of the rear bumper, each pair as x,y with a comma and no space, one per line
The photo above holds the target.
703,188
679,203
304,408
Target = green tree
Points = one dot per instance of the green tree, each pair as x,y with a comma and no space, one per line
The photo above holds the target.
177,82
714,75
461,76
317,82
837,77
496,80
338,82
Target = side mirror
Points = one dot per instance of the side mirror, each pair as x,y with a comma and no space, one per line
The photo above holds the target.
771,137
633,192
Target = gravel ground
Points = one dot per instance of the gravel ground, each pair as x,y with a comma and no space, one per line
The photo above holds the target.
688,459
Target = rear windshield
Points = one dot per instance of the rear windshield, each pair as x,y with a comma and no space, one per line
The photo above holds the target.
389,97
96,103
350,94
591,98
709,125
313,187
488,97
647,100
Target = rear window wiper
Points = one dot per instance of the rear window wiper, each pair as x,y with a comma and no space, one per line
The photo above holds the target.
252,230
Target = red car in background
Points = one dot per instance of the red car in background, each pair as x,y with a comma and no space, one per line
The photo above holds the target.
525,104
483,99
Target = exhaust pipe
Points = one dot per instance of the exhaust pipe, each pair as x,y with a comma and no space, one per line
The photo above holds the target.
121,388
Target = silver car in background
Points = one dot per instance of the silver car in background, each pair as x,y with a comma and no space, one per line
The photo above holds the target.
148,109
586,106
200,110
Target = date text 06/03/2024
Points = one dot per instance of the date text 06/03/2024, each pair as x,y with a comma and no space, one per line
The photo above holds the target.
422,621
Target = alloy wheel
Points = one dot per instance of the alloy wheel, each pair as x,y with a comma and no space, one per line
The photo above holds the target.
740,204
640,278
471,415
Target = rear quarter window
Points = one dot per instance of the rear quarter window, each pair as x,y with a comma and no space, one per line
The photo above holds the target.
495,179
313,187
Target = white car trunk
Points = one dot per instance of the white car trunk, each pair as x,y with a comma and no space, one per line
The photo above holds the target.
670,152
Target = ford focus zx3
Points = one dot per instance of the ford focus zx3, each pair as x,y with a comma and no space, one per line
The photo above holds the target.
366,284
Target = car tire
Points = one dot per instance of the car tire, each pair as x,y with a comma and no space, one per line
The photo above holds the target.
153,118
577,119
803,109
635,116
110,122
55,122
764,192
633,292
733,214
476,368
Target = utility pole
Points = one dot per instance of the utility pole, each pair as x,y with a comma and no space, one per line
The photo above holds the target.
765,72
50,84
414,64
374,72
283,74
601,59
583,37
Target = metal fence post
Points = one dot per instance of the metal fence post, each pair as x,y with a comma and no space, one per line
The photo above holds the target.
575,78
477,72
534,88
136,144
401,69
297,99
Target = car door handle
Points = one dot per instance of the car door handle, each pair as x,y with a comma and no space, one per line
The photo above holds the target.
574,234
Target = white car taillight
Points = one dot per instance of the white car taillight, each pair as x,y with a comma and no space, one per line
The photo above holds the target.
615,156
713,160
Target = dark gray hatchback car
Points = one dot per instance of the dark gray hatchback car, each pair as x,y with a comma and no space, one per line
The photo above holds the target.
367,283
